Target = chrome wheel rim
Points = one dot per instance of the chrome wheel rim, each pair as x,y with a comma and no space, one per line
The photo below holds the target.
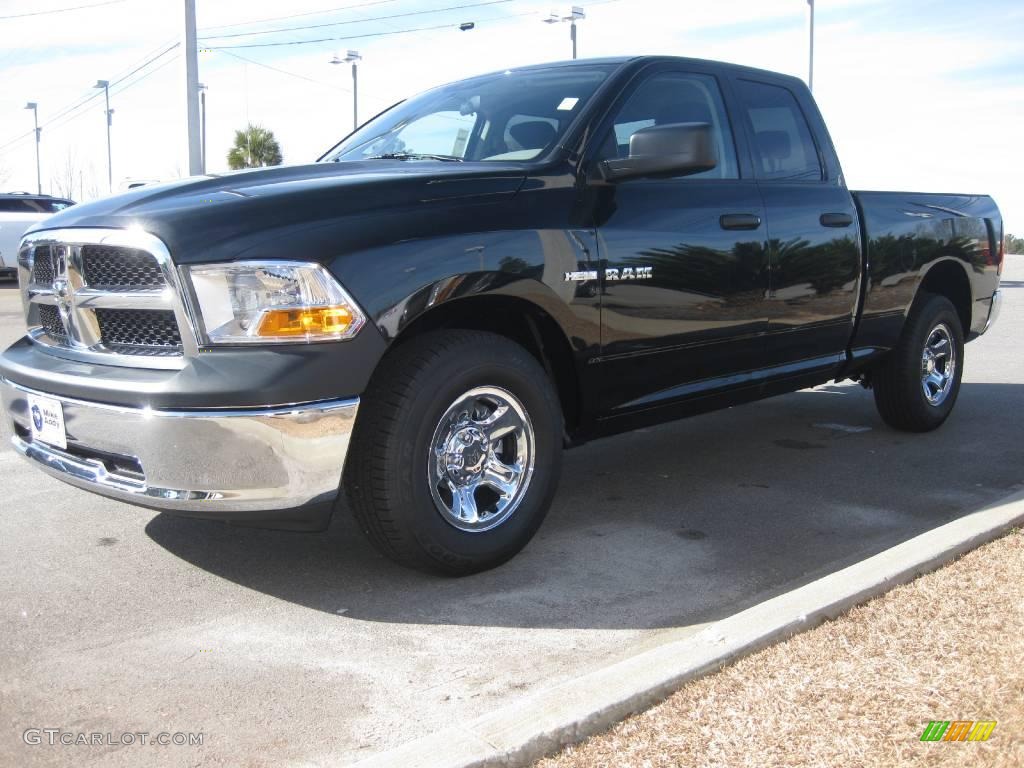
481,459
938,365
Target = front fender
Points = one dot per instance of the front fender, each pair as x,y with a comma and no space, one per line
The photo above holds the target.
399,283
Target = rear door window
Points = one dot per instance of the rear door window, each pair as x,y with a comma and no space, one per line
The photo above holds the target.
17,206
32,205
784,147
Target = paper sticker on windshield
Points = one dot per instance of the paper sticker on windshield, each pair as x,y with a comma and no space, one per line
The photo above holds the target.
568,104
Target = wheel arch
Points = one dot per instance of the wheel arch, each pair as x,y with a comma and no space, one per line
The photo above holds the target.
521,320
948,277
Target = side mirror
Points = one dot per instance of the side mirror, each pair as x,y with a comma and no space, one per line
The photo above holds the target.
661,151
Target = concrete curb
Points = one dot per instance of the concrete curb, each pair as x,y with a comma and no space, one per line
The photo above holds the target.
570,712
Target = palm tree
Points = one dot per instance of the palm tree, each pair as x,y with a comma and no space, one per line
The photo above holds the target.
255,147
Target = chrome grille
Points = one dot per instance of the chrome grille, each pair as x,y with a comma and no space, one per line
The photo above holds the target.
107,267
42,271
49,316
105,295
138,327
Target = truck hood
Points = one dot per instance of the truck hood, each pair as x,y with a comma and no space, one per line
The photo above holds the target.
218,217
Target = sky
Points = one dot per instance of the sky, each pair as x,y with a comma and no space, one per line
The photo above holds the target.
925,95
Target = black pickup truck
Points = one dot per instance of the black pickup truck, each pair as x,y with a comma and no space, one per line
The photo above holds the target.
474,279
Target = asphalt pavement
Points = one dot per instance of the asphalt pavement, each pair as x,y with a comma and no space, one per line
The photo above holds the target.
307,649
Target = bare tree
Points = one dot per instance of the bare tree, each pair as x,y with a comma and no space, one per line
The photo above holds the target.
65,178
90,186
75,180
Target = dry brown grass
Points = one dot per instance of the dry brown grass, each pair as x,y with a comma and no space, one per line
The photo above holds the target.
857,691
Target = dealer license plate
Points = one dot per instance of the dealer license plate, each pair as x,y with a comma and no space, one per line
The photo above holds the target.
47,417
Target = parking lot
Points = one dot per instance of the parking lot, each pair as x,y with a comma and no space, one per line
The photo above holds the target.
311,649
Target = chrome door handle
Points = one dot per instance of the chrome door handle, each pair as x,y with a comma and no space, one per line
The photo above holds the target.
836,219
739,221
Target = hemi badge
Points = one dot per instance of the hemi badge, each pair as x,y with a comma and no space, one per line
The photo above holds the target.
579,277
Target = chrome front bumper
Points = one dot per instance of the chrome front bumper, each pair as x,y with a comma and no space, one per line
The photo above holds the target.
204,461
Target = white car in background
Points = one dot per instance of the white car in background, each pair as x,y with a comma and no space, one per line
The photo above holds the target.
18,212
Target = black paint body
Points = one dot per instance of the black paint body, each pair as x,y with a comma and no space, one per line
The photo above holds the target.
728,315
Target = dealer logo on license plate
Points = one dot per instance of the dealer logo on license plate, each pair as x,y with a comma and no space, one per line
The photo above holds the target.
47,417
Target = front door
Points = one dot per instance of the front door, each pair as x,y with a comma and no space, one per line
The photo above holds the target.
684,263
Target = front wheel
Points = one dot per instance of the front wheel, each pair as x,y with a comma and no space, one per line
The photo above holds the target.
456,452
917,385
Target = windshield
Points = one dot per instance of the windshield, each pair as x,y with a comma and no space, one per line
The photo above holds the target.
508,116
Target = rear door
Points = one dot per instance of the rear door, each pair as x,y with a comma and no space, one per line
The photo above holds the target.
813,235
684,265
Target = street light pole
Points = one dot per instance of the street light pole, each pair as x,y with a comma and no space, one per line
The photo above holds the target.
810,60
575,14
105,85
352,57
202,115
35,116
355,94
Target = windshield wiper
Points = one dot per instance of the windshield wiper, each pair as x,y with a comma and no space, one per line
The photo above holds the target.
416,156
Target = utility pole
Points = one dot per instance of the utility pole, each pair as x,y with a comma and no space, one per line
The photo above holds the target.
105,85
195,160
35,116
810,60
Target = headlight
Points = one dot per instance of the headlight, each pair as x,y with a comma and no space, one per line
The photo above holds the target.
248,302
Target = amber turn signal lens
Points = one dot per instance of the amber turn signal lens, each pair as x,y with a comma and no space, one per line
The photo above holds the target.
313,321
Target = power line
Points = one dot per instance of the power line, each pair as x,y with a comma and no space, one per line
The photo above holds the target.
165,44
145,64
56,123
284,71
298,15
450,25
332,39
151,72
17,140
119,80
14,51
225,49
51,122
360,21
61,10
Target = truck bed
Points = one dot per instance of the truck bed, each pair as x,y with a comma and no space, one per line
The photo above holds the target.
905,234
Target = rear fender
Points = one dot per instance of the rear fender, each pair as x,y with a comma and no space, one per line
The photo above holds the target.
911,240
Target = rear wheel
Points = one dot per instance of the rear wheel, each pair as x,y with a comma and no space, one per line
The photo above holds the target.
456,452
917,385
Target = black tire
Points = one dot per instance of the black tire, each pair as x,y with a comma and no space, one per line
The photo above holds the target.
387,479
897,382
